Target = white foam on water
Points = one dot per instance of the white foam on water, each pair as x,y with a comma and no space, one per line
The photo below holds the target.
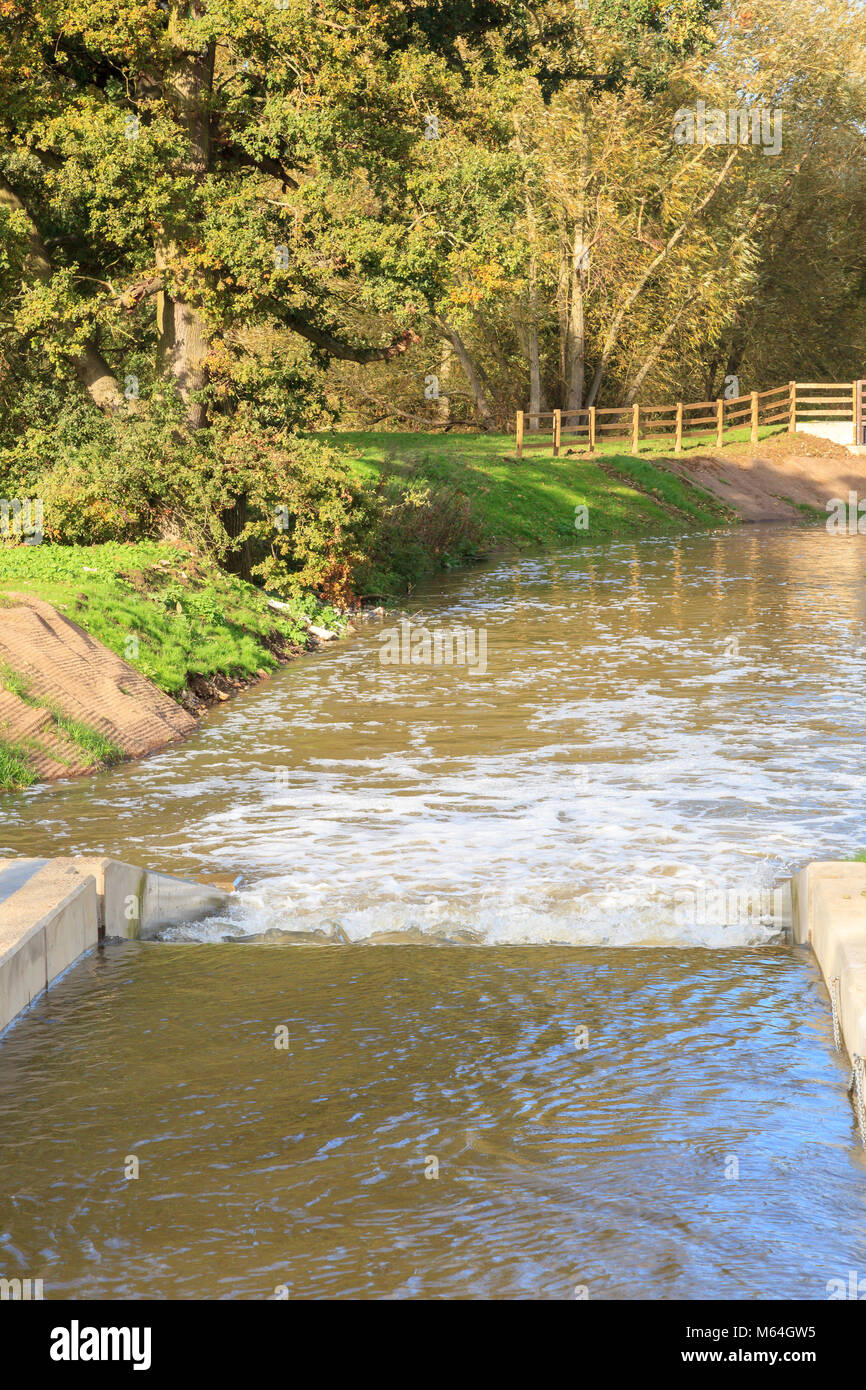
617,778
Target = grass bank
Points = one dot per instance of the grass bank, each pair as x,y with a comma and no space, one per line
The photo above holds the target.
93,750
532,502
173,615
184,622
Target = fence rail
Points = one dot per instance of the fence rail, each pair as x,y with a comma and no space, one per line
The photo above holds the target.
789,404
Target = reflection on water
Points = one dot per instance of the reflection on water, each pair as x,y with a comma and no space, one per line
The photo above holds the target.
700,1145
663,731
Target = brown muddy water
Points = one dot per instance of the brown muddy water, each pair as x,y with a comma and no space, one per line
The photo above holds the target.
662,732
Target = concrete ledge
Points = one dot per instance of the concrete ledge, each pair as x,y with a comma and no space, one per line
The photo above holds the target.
52,911
137,903
829,914
14,873
44,926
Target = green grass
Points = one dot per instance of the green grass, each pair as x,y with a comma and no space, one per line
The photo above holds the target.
98,750
686,498
700,442
170,614
15,684
531,502
15,771
806,510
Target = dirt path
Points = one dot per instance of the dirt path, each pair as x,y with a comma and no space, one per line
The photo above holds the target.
786,471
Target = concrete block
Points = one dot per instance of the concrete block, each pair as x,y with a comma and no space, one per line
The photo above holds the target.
169,900
71,929
830,914
839,431
55,910
137,903
14,873
44,926
22,969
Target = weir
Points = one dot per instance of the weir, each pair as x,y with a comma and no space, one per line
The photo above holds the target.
829,914
53,911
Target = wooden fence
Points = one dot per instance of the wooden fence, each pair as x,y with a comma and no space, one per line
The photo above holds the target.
799,401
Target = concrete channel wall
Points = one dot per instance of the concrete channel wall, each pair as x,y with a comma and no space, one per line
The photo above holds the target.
828,903
52,911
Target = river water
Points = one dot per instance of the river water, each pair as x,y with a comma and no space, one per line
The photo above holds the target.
649,736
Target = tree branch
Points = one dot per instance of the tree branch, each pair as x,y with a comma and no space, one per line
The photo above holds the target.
229,153
336,346
676,236
93,371
142,289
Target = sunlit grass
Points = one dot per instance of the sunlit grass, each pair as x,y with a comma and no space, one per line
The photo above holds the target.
532,501
168,613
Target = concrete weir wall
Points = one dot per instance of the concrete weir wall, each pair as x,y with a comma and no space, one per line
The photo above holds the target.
52,911
828,903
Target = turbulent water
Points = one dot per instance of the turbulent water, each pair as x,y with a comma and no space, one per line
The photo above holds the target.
663,731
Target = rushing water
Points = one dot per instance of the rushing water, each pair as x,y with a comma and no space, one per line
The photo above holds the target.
663,731
660,724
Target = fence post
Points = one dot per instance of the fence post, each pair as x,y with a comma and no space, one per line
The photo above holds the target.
859,421
635,428
519,434
678,442
855,401
792,407
592,429
720,422
557,431
754,436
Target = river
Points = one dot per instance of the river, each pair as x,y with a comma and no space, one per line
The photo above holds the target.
661,732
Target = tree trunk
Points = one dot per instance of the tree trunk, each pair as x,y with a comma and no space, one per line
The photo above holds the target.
529,341
100,382
443,404
472,374
575,331
183,334
536,394
239,559
183,349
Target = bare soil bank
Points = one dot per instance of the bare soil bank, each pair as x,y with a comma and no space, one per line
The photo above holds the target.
63,678
784,475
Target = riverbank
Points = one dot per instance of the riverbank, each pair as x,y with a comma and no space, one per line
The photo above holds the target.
534,501
113,651
198,634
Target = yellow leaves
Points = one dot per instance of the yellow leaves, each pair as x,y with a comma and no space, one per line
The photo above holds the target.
482,282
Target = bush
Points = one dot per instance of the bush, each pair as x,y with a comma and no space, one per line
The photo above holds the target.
286,510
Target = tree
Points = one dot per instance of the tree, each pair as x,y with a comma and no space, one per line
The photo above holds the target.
182,171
